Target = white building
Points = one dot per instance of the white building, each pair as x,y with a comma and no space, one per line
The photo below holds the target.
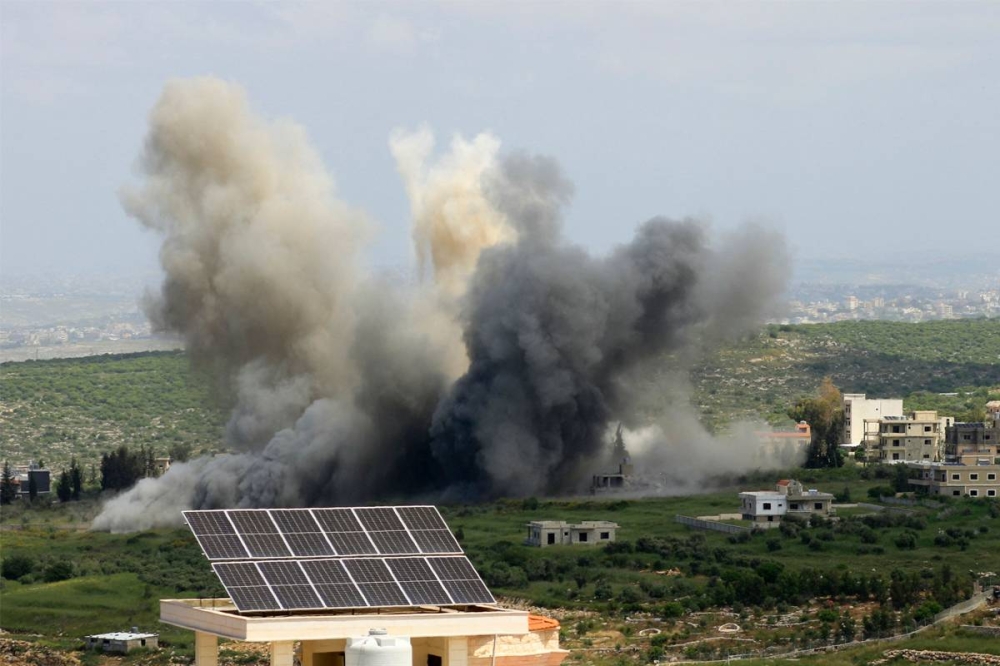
858,409
763,506
121,642
555,532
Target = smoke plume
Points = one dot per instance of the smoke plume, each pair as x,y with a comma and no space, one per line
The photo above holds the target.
499,377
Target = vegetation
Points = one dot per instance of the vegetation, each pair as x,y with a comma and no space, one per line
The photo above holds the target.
66,408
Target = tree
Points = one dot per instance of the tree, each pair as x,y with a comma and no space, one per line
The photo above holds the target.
8,491
825,416
64,487
121,468
75,479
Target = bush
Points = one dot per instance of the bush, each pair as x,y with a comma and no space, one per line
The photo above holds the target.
57,571
16,566
906,541
773,545
881,491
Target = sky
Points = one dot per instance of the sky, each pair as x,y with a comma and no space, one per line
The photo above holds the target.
859,129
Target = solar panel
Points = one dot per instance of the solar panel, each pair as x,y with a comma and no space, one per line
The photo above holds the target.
436,541
216,535
369,570
344,531
239,574
354,558
297,597
393,543
379,519
246,586
253,599
341,596
418,581
421,518
460,579
222,547
283,572
302,533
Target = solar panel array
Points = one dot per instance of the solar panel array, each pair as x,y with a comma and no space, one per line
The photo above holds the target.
239,534
311,559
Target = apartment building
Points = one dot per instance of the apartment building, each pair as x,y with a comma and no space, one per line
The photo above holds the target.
974,473
917,437
858,409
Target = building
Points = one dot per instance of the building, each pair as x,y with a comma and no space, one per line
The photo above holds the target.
858,409
614,480
23,476
916,437
793,441
975,473
476,635
788,498
122,642
763,506
161,465
805,501
993,410
544,533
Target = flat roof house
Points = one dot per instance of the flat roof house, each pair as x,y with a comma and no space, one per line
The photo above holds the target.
121,642
544,533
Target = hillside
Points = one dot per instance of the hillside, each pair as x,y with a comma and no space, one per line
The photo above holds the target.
52,410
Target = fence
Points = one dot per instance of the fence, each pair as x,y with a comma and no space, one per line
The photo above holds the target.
710,525
903,501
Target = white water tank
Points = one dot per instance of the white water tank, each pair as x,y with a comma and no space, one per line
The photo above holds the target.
378,649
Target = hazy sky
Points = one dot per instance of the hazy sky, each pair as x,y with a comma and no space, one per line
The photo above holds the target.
861,129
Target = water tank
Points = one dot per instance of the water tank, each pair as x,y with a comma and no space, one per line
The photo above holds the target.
378,649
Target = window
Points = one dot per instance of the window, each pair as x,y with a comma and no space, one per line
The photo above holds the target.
973,476
895,456
583,537
605,536
991,493
927,455
927,428
895,428
973,493
895,442
817,506
966,437
956,493
927,442
795,506
956,477
770,519
991,477
551,538
767,506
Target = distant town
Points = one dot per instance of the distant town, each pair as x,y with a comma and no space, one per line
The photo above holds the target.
50,317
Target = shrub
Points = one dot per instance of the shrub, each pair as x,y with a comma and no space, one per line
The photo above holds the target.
906,541
15,566
773,545
57,571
